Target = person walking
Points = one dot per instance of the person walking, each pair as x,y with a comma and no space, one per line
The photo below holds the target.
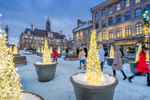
142,66
77,51
85,50
55,55
82,57
101,54
117,63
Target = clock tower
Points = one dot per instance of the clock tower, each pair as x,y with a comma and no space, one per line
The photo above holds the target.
48,28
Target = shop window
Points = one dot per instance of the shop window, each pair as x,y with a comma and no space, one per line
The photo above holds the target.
118,6
96,15
148,7
138,12
104,35
103,23
127,3
139,28
127,16
110,10
137,1
119,33
96,26
131,50
128,31
103,12
110,21
111,35
118,18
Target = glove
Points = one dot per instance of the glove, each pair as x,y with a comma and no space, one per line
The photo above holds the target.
146,68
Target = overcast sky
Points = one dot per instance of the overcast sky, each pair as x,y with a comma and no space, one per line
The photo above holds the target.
63,15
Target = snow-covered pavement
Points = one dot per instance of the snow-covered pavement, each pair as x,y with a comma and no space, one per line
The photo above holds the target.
60,88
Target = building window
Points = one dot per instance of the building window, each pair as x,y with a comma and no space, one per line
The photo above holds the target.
110,10
96,15
138,12
79,34
103,12
97,37
137,1
104,35
110,21
96,26
111,35
119,33
118,6
128,31
127,16
103,23
139,28
127,3
118,18
148,7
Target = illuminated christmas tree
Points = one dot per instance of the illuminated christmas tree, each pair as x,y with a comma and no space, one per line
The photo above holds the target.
147,54
10,87
93,69
51,50
46,54
42,49
138,52
15,50
112,52
58,49
38,49
10,49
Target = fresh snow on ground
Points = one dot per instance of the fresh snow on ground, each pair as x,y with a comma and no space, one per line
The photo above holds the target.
105,79
29,96
60,88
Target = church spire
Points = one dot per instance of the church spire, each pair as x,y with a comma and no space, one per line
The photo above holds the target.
48,28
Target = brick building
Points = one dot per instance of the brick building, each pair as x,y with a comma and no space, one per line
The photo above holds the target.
119,22
35,38
82,34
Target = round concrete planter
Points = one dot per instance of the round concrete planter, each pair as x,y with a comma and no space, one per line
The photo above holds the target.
45,73
86,92
37,96
59,55
16,54
110,61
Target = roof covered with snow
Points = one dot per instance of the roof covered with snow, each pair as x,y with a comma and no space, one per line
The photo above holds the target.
83,27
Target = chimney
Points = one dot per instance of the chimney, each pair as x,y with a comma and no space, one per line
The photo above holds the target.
60,32
31,27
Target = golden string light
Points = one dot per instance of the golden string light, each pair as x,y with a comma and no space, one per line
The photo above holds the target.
138,52
93,69
112,52
38,49
51,50
147,54
58,49
15,50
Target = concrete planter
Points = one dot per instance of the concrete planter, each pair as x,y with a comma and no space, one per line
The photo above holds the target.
38,53
45,73
41,54
16,54
86,92
59,55
37,96
110,61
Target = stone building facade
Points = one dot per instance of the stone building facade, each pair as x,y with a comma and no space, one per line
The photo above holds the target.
119,22
82,34
35,38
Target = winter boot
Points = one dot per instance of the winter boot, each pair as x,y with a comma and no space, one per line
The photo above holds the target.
129,78
80,66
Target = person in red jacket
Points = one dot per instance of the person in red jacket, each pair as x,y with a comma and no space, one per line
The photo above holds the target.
55,55
142,66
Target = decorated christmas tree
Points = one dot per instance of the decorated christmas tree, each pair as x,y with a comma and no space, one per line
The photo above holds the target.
42,49
147,54
93,69
10,49
58,49
112,52
138,52
10,87
51,50
38,49
46,54
15,50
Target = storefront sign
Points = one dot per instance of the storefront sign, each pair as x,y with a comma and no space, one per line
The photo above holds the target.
125,43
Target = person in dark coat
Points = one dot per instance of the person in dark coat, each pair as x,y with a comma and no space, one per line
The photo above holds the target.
142,66
117,63
77,51
85,50
55,55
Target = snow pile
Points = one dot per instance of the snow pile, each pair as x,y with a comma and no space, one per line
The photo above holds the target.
28,96
105,79
40,63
